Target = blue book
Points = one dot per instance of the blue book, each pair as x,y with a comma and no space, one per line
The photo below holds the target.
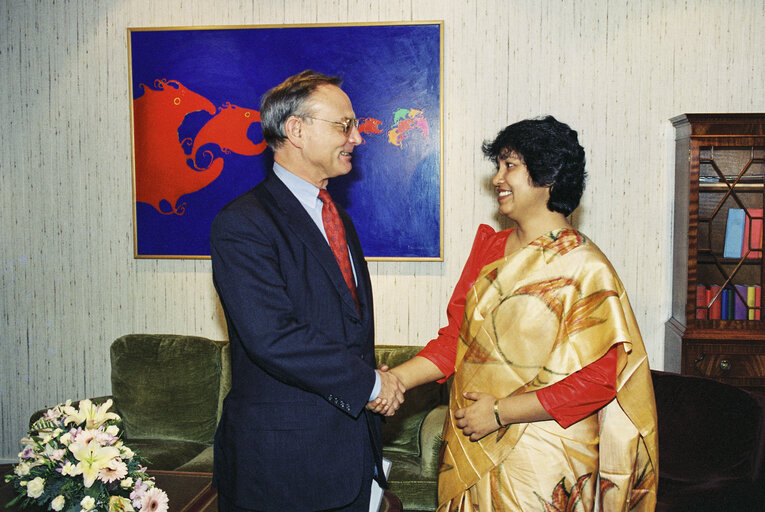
724,308
734,233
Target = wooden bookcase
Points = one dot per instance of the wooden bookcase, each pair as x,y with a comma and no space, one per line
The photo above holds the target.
719,167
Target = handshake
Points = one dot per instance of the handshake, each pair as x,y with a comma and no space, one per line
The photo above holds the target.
391,394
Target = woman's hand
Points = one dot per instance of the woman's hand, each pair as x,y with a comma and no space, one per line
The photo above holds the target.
477,420
382,405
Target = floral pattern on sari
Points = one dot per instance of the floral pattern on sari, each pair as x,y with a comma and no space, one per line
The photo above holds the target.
563,500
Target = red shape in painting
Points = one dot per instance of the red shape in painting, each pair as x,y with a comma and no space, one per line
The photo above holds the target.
161,170
228,129
369,125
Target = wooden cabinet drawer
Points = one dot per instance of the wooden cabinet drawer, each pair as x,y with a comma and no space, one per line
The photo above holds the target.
740,364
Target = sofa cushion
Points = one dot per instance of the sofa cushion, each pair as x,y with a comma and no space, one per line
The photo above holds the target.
169,386
166,454
202,463
416,491
708,431
401,432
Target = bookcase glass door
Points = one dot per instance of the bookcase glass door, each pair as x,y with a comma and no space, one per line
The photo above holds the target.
729,275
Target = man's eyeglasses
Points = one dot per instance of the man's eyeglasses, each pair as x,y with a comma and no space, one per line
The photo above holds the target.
347,124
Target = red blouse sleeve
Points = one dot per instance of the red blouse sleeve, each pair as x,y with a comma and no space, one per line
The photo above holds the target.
581,393
488,246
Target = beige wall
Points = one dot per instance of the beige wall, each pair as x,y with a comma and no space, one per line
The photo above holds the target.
617,71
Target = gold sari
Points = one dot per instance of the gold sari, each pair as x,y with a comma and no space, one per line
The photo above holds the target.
531,319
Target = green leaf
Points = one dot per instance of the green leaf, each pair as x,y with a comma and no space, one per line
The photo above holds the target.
14,501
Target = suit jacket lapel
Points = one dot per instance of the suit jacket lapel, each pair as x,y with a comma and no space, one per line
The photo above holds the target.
363,284
305,229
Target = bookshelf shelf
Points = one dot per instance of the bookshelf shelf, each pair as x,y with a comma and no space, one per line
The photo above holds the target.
704,259
718,312
740,188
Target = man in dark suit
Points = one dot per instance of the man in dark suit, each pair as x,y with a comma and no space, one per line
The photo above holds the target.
297,431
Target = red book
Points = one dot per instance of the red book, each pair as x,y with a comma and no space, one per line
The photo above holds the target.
752,233
701,302
715,303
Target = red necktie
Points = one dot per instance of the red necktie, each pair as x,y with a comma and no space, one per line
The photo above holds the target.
333,226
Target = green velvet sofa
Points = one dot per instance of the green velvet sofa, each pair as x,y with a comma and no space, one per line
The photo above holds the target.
169,391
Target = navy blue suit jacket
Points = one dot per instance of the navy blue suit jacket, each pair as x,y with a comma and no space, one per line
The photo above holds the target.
294,430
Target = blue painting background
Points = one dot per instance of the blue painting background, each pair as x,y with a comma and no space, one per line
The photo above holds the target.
393,193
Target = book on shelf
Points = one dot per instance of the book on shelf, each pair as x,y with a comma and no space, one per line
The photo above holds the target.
734,302
740,309
731,304
753,298
701,302
734,233
752,242
714,301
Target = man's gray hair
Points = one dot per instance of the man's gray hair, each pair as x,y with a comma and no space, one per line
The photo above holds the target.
289,99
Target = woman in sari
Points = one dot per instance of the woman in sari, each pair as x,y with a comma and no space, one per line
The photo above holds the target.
551,405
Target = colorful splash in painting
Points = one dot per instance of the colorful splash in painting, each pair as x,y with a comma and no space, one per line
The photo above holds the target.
197,142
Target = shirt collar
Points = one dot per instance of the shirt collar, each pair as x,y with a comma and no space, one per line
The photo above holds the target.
307,193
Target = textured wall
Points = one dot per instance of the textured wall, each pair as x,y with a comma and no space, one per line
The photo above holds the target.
617,71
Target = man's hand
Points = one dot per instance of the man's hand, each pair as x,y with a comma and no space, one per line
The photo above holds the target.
477,420
391,394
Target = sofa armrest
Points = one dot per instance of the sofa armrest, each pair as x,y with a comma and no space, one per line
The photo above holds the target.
431,438
97,400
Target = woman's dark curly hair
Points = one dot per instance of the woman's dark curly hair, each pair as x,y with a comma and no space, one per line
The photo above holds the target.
552,154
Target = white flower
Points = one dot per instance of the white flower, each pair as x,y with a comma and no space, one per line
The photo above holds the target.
105,438
69,469
155,500
22,469
113,430
66,439
126,453
58,503
92,415
88,503
116,470
120,504
53,414
35,487
126,483
53,453
93,458
84,436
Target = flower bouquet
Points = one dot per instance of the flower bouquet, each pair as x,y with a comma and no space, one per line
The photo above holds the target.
74,461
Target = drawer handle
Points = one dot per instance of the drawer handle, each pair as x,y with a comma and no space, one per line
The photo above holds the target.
725,365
